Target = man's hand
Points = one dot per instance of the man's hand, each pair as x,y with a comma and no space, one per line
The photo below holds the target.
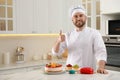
102,71
101,68
61,37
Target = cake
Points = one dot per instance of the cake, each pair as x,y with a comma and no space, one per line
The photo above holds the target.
68,67
76,67
53,67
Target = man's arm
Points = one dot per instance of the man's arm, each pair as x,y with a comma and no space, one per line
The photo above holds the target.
56,46
100,53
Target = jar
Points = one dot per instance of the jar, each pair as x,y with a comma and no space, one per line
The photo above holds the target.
6,58
44,56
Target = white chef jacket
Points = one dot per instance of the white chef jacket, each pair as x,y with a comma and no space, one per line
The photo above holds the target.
84,47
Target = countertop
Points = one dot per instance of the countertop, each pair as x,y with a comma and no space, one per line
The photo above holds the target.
28,64
40,75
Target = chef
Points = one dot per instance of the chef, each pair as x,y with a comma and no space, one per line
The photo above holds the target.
85,45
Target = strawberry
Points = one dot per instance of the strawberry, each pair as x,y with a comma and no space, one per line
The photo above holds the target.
48,65
69,65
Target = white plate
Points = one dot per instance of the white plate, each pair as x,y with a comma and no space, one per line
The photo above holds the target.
55,73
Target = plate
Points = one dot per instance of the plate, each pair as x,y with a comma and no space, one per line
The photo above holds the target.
54,73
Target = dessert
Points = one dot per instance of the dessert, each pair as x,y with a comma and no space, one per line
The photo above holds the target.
86,70
71,71
68,67
75,67
53,67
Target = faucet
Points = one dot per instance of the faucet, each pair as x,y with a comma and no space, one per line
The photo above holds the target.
19,50
19,55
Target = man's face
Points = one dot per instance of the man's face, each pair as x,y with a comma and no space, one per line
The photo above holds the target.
79,19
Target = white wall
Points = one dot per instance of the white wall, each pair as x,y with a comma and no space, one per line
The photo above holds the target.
33,45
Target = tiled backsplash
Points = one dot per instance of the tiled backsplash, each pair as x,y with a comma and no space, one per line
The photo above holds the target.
33,45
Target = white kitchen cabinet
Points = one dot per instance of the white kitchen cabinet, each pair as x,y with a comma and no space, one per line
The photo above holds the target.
24,16
93,12
36,16
16,16
110,6
41,16
51,16
7,16
55,15
32,16
67,24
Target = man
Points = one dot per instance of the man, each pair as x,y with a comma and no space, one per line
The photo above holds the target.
85,45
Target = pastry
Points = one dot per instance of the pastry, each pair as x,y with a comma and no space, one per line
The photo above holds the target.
68,67
76,67
53,67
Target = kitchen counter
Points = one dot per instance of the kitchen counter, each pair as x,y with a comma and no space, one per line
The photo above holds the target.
28,64
40,75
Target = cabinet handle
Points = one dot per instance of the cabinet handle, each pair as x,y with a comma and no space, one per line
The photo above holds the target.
34,32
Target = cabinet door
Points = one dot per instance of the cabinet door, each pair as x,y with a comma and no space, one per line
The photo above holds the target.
43,16
55,15
7,16
40,14
58,15
110,6
93,13
50,16
24,16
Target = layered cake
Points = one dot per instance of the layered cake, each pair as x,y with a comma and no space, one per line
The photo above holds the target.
68,67
53,67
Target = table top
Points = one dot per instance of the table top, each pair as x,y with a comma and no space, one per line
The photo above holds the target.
40,75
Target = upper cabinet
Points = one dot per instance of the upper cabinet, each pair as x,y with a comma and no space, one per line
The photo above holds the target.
58,15
40,16
110,6
93,12
45,16
24,19
35,16
7,16
51,16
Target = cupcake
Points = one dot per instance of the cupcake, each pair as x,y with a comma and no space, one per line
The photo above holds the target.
75,67
68,67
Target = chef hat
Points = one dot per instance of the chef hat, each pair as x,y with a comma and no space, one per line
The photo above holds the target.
78,8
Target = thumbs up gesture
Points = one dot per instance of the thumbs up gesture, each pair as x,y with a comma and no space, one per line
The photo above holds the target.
61,37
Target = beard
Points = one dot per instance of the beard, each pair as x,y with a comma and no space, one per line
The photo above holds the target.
79,24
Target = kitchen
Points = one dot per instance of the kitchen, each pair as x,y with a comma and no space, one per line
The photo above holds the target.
37,43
